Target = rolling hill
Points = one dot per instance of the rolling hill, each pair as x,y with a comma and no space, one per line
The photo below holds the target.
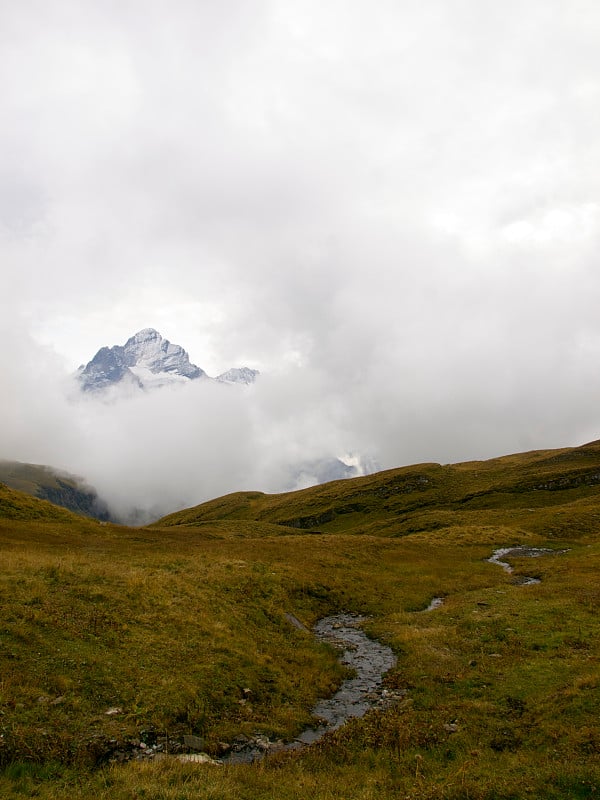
522,489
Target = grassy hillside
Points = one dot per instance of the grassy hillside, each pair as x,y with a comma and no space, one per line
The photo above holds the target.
182,628
523,490
59,488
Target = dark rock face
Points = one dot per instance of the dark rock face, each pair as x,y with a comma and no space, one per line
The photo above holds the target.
77,499
105,369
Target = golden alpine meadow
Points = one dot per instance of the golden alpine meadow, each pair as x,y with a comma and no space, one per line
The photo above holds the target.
194,631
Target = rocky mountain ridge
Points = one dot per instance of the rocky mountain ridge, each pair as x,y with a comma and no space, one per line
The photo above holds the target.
148,361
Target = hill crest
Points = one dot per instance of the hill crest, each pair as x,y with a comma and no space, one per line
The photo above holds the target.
417,497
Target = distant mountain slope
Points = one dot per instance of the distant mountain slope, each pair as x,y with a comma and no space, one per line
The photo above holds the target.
49,484
17,505
425,496
148,361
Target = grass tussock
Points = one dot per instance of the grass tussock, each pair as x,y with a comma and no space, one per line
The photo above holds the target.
181,628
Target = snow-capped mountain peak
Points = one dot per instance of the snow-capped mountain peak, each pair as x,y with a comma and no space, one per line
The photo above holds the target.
147,349
148,361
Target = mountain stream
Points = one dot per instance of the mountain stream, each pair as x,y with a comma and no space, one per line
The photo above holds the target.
369,660
522,551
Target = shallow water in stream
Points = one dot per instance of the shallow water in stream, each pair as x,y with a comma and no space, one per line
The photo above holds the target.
368,658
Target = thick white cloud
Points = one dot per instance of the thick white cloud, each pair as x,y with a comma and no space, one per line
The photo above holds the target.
393,211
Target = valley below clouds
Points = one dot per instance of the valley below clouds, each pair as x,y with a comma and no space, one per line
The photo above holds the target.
148,453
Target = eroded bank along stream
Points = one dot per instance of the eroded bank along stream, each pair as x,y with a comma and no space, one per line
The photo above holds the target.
369,660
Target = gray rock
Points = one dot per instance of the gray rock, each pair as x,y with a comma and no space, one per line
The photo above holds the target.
194,742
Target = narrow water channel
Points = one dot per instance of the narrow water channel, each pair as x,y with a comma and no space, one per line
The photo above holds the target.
369,660
521,551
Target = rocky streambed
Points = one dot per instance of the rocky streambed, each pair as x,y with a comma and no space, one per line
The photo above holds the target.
369,659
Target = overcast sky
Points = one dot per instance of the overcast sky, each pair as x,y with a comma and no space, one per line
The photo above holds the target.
391,209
